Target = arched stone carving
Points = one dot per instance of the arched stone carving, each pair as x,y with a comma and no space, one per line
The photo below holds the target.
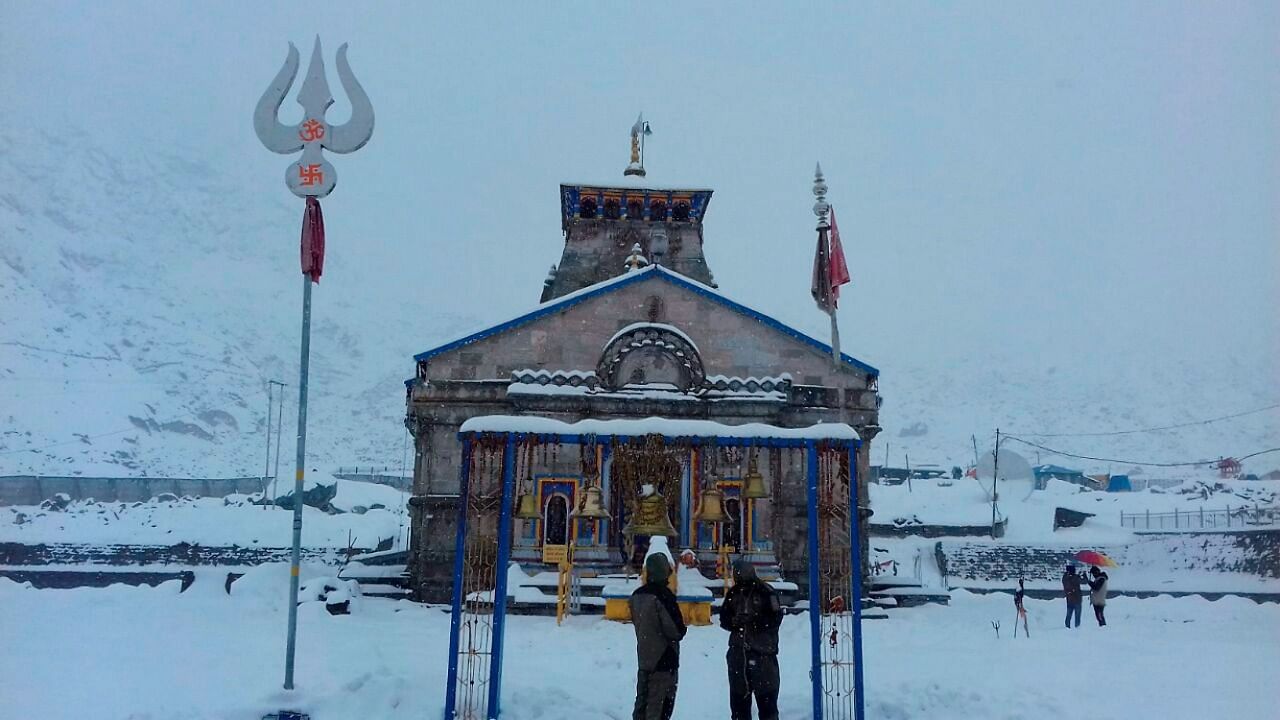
648,354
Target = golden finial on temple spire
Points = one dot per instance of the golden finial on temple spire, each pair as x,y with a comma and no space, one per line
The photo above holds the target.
638,133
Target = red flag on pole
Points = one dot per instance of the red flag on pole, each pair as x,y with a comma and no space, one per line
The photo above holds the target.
837,270
312,240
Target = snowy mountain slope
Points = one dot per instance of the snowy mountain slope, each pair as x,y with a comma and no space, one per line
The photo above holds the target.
142,320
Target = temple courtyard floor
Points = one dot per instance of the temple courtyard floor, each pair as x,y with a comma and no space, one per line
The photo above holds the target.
141,652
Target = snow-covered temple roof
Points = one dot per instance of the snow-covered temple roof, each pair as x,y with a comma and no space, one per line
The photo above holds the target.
668,427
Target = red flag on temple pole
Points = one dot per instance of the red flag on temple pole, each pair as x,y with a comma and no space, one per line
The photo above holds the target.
837,270
312,240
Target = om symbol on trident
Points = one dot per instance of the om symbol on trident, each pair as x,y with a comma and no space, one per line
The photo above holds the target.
312,175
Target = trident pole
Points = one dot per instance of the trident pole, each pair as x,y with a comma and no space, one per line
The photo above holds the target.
311,178
303,367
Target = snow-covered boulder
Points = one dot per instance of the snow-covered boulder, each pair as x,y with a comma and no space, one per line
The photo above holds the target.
339,596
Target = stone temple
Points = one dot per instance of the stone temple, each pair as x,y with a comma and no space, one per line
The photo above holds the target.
630,325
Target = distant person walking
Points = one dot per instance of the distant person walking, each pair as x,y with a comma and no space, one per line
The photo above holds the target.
1098,594
1018,596
1071,586
659,629
752,613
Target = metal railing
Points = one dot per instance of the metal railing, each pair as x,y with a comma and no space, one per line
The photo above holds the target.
1242,517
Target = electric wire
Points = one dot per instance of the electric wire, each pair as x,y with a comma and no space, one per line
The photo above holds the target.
1193,423
1196,463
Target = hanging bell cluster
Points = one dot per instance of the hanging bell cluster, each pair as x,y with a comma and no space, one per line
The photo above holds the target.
592,506
711,507
754,488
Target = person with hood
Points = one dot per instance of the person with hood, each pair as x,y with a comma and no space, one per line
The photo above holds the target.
659,629
1098,593
1071,586
752,612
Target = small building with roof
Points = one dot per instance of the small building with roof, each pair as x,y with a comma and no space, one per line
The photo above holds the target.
1045,473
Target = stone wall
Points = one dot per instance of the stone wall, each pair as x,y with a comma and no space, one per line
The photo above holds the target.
596,250
1156,555
34,489
181,554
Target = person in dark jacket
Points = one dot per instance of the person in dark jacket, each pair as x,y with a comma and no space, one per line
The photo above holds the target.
659,629
1071,586
1018,598
752,613
1098,594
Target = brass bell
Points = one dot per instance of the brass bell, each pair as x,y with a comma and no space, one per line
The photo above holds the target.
592,506
527,507
754,487
711,507
651,518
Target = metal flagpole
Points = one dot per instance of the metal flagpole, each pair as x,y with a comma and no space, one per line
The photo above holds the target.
823,295
304,364
835,338
275,474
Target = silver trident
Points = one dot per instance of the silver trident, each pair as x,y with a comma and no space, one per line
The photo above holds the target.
312,178
312,175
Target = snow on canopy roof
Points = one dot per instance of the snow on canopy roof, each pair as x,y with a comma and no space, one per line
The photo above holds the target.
668,427
653,272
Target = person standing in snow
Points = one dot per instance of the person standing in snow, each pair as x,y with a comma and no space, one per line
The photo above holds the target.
659,629
1071,586
1018,597
1098,593
752,613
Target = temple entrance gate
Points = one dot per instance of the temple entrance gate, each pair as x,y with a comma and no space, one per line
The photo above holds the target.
498,453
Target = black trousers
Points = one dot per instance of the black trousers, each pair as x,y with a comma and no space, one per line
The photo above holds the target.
1097,612
655,695
751,674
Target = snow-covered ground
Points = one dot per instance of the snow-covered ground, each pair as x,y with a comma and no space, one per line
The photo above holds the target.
1030,512
125,652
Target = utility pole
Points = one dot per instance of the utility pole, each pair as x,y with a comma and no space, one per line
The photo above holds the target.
995,475
266,466
275,476
908,459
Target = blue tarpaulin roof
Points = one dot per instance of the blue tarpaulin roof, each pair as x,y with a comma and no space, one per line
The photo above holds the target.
1054,470
1119,483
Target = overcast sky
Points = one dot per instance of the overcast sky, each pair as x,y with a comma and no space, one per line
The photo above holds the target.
1099,175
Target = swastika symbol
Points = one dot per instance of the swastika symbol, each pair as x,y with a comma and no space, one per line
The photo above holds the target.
310,175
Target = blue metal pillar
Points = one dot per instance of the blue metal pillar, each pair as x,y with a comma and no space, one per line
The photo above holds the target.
855,536
459,549
500,591
815,602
